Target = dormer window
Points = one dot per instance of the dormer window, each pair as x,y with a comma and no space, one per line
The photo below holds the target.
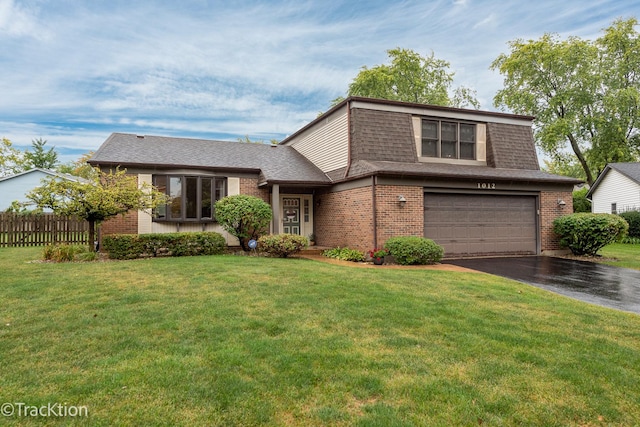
448,139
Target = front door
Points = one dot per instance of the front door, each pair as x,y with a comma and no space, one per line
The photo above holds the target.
291,217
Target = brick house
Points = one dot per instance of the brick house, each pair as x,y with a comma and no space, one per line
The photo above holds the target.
364,171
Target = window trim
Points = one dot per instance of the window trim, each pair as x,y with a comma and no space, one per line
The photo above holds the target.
459,141
183,197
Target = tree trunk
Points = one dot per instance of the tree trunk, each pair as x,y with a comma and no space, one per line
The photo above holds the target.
581,159
92,235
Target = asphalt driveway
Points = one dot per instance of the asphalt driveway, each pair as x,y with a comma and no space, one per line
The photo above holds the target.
604,285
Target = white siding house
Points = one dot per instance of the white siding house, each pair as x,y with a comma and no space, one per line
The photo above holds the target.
15,187
617,189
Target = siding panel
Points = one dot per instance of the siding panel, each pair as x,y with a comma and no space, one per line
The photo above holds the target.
616,188
326,144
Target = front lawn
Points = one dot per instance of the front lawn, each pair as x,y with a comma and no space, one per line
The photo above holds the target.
624,255
228,340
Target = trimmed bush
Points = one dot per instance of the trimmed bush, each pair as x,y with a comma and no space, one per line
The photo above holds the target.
282,245
245,217
130,246
412,250
587,233
344,254
633,219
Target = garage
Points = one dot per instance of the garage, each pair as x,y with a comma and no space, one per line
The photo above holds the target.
481,224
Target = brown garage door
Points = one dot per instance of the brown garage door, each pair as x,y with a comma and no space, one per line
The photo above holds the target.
481,224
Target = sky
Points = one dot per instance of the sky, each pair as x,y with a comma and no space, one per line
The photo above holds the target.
74,71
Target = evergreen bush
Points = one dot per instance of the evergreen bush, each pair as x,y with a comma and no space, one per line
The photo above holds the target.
587,233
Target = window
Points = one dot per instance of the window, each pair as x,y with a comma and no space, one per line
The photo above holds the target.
191,198
448,140
614,208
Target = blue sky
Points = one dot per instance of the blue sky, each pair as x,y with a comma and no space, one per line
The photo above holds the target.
74,71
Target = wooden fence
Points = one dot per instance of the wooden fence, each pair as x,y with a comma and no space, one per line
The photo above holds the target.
41,229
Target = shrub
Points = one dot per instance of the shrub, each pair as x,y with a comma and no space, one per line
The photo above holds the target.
130,246
411,250
282,245
633,219
586,233
580,202
344,254
123,246
245,217
62,253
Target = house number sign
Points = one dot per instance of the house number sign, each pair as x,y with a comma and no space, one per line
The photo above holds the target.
487,185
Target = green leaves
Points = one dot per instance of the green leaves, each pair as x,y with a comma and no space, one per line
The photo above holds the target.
411,78
587,233
585,95
245,217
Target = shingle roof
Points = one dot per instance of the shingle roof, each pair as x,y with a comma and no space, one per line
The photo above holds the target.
365,167
630,170
275,164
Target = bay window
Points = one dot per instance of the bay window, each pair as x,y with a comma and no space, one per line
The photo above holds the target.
191,198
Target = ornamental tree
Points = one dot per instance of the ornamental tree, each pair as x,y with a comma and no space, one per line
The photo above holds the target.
103,196
245,217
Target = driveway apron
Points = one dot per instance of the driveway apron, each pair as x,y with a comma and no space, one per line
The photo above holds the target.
600,284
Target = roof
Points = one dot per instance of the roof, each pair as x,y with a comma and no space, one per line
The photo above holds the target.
630,170
275,164
47,172
390,103
435,170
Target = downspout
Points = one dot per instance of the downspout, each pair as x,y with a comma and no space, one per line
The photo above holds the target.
374,207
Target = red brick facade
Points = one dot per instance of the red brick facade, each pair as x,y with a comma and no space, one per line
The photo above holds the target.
345,218
249,186
394,219
549,211
121,224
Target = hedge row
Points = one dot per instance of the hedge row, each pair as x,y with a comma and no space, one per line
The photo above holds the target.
130,246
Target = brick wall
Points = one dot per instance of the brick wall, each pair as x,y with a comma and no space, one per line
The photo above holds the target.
345,218
121,224
249,186
549,211
396,220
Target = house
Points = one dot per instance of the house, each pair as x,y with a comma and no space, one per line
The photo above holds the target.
617,189
362,172
15,187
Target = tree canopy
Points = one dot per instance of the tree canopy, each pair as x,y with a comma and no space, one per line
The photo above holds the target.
411,77
584,94
11,159
39,156
102,197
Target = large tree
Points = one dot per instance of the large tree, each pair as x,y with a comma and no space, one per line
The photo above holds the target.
584,94
102,197
411,77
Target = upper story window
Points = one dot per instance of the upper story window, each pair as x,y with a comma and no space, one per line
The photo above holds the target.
192,198
448,139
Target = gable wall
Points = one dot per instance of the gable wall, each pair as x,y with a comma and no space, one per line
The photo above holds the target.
17,187
615,188
326,143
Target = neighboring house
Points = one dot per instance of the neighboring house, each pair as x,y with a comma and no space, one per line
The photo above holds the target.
15,187
617,189
363,172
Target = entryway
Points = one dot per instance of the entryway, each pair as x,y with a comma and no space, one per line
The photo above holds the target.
297,214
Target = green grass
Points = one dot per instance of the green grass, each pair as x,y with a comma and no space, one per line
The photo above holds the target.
244,341
625,255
